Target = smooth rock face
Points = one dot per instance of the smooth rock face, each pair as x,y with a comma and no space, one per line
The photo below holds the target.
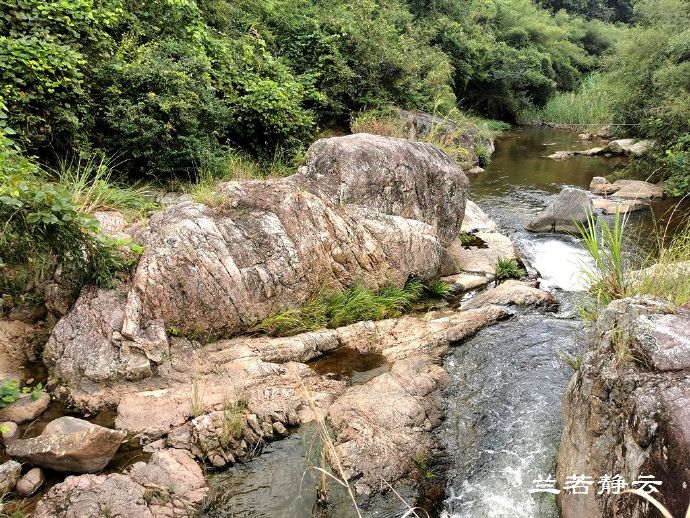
570,206
9,475
514,293
637,189
621,145
170,484
626,409
30,483
392,176
476,220
481,259
69,444
25,409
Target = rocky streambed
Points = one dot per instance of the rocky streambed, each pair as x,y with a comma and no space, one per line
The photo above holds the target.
455,407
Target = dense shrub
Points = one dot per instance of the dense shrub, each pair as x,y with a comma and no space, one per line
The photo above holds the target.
43,230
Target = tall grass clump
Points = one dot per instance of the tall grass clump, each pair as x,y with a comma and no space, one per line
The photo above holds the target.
668,276
590,104
93,186
355,304
608,278
508,268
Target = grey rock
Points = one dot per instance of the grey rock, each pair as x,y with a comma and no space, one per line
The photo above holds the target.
30,482
170,484
600,185
638,190
25,409
11,431
69,444
571,206
9,475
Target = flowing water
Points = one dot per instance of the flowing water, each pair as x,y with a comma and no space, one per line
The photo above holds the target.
504,399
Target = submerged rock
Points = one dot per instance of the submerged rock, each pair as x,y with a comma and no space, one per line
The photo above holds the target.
626,410
69,444
571,206
170,484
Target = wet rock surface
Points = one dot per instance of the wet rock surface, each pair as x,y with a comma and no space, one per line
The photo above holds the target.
626,409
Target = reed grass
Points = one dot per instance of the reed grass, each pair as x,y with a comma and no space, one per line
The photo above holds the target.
589,105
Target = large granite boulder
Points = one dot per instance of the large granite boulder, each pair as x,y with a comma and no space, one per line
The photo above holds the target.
69,444
571,206
364,209
626,411
392,176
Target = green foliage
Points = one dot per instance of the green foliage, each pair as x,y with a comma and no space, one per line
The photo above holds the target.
9,392
357,303
170,87
651,74
603,241
44,229
610,10
508,268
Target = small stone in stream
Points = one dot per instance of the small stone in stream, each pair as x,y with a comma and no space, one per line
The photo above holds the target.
561,155
280,429
10,431
475,170
571,206
25,409
9,475
69,444
30,483
638,190
600,185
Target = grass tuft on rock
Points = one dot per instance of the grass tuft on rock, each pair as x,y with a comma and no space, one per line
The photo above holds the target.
357,303
508,268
